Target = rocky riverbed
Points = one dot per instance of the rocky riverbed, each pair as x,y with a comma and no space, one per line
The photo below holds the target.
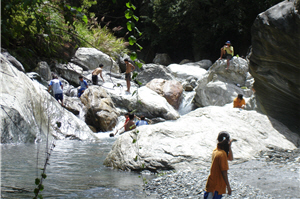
272,174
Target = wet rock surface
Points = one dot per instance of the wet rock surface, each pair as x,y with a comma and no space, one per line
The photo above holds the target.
271,174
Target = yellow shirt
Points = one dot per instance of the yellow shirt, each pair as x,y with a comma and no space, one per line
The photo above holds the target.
215,181
228,52
237,103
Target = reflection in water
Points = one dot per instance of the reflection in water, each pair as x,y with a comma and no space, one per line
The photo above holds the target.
76,170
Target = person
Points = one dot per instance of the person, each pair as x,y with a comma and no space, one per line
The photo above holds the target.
83,85
57,89
141,122
228,51
239,102
126,121
95,74
218,179
129,69
130,124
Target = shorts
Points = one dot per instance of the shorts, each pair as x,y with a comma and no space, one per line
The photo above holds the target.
95,79
209,195
59,96
228,56
127,76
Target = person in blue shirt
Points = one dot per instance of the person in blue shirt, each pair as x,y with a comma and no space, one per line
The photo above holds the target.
141,122
57,89
83,85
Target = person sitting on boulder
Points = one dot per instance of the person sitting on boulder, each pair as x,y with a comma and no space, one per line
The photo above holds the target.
95,74
130,124
227,50
218,179
141,122
57,89
83,85
239,102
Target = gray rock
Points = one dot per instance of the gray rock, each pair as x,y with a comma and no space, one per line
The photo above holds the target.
90,58
274,62
12,60
162,59
153,71
70,72
44,70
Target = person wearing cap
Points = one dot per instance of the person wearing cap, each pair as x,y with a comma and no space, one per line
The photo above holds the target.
228,51
217,181
239,102
95,74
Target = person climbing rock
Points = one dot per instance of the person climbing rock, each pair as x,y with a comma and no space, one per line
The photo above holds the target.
228,51
95,74
83,85
217,181
57,89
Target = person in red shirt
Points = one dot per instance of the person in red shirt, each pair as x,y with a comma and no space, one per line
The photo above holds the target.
217,181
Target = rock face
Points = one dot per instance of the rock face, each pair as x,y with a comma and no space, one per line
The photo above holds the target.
171,90
70,72
153,71
274,62
26,107
101,112
188,142
90,58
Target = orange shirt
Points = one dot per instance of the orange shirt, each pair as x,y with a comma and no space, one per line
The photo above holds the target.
237,103
215,181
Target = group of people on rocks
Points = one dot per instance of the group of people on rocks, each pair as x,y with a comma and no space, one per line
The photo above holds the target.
217,181
57,87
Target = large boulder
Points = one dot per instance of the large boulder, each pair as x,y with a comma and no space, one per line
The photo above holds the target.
185,71
189,141
44,70
12,60
274,62
90,58
143,100
70,72
237,72
169,89
28,112
153,71
220,86
101,112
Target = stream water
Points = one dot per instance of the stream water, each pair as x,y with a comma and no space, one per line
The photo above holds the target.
75,170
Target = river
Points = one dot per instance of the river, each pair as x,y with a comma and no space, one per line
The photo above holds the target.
75,170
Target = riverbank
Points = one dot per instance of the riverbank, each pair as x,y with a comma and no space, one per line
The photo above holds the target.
272,174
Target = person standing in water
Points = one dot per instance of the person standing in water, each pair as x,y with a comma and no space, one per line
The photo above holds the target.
95,74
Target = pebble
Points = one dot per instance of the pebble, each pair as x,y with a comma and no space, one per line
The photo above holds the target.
185,184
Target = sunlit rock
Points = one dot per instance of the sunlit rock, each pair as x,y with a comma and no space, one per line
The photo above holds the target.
29,112
189,141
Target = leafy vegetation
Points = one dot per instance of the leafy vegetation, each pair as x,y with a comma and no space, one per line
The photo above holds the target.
38,29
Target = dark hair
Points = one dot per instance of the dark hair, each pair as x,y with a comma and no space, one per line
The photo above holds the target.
55,77
100,65
126,59
240,96
131,116
223,141
142,117
80,76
